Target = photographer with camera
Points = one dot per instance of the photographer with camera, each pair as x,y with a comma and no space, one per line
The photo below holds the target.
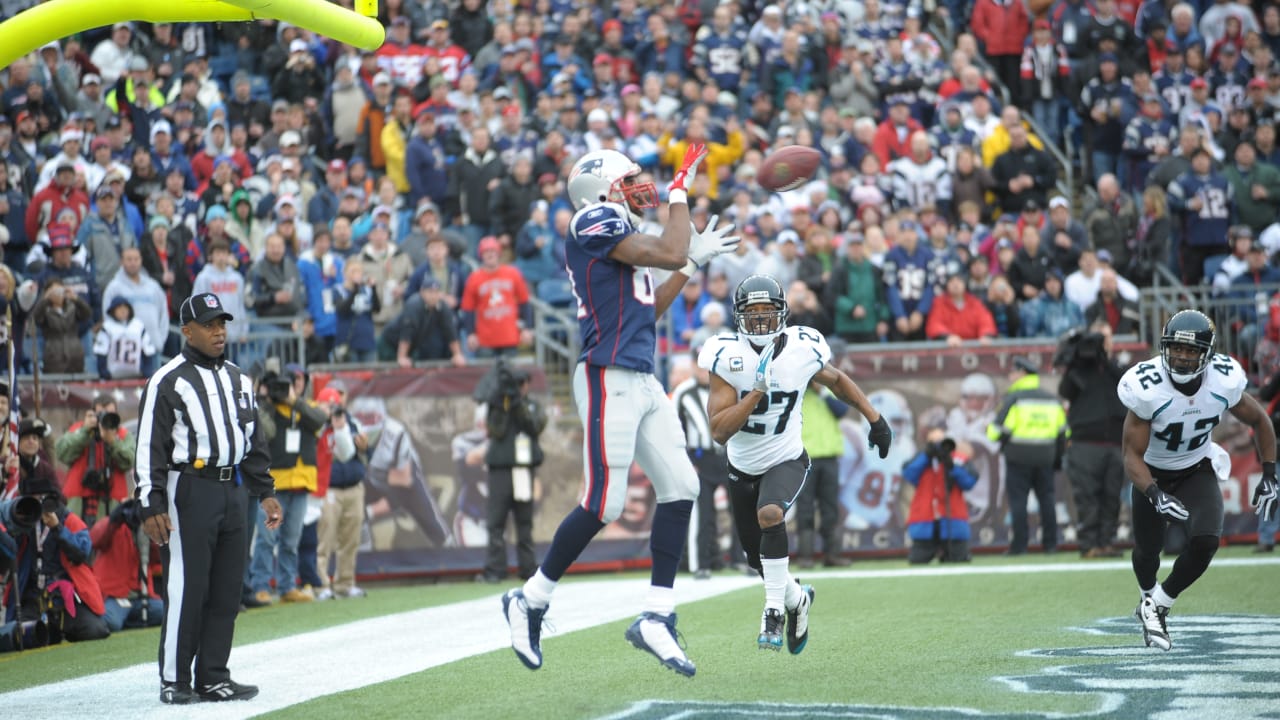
1095,417
98,451
938,520
125,565
291,425
515,421
342,517
53,580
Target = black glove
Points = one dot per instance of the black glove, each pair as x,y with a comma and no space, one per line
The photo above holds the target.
881,436
126,513
1267,494
1166,504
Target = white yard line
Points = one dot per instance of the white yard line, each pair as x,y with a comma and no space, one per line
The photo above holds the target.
303,667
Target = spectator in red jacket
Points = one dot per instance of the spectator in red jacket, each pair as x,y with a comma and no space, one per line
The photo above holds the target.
958,316
118,567
495,302
1002,27
893,137
58,195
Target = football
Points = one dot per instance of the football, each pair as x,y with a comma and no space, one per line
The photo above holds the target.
788,168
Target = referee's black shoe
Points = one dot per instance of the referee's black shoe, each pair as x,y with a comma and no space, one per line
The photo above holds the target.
227,690
177,694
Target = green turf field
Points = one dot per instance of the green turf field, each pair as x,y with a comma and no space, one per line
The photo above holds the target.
1019,644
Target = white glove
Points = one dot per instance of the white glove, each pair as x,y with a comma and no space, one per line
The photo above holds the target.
764,372
705,245
27,295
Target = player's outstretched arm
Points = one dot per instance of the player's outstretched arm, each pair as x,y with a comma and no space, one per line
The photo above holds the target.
847,390
669,251
727,411
1266,495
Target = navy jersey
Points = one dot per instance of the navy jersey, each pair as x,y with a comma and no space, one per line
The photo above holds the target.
1227,88
947,143
908,286
1141,139
723,57
1175,88
1206,227
508,146
615,300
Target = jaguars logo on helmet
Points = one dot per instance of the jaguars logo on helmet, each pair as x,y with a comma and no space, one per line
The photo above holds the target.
1190,328
761,326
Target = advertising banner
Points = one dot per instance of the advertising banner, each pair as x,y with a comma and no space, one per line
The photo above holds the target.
426,484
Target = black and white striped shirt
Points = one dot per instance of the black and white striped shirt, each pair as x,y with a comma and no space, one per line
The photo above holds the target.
690,400
198,408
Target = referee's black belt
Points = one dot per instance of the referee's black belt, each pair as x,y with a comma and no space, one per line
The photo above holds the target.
221,474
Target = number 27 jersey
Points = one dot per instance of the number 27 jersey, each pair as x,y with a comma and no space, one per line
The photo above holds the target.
771,434
1181,425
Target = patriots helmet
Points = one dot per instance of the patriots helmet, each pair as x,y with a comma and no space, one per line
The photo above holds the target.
609,176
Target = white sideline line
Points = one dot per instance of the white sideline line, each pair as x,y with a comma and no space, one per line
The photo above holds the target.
340,658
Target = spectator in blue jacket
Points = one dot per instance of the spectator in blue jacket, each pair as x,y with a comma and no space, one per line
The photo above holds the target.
321,272
1051,314
425,165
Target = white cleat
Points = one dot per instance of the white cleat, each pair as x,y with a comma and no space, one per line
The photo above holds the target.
656,634
1154,631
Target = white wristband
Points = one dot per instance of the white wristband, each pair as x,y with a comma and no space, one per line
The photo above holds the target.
689,268
677,196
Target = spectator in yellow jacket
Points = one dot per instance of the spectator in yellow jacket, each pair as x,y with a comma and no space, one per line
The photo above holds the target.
395,138
718,154
997,143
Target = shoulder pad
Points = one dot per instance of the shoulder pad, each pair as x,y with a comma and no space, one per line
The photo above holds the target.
716,351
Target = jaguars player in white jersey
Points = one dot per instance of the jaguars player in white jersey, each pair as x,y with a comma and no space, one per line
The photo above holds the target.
758,376
1174,403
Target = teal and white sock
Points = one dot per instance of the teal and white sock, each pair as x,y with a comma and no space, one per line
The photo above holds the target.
776,579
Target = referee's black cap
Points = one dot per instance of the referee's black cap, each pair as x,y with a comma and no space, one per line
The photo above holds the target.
203,308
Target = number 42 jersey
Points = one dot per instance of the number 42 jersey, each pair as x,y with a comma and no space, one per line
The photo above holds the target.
771,434
1181,425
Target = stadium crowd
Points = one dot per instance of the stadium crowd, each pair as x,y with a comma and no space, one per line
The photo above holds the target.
403,204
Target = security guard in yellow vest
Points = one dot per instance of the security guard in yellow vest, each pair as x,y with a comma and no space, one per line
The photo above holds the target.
1031,428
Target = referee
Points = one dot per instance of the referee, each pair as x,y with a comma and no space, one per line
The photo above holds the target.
197,423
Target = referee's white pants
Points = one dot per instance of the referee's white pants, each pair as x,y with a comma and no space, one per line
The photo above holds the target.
627,416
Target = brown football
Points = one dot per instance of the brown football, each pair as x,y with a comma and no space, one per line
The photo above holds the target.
788,168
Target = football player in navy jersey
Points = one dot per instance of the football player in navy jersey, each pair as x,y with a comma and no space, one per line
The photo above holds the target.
626,414
758,375
1174,402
